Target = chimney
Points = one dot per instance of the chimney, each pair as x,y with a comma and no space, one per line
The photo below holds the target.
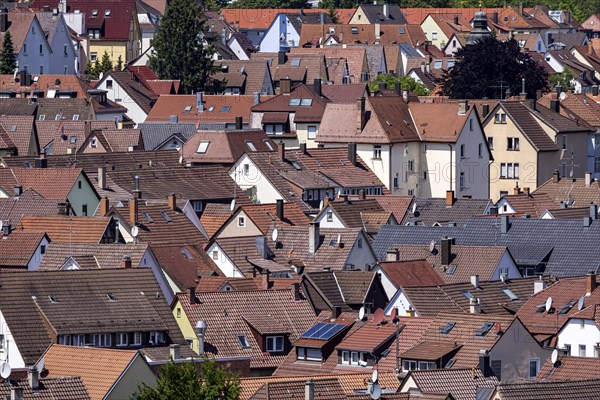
362,195
261,247
303,148
281,57
4,19
326,200
484,363
386,10
317,87
516,190
533,104
352,153
410,311
526,190
63,208
521,9
285,85
595,90
280,214
137,192
446,251
104,206
33,378
200,101
360,118
588,179
172,202
281,150
16,393
456,20
558,90
125,262
6,228
475,281
174,352
555,105
18,190
539,285
562,205
256,98
449,198
593,211
504,224
555,176
309,390
266,279
474,306
296,286
336,312
42,161
133,211
377,31
314,237
590,283
507,94
192,295
587,222
462,107
485,110
102,178
393,254
239,123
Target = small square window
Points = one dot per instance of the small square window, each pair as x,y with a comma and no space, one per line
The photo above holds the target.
109,82
215,255
225,108
243,341
329,216
137,339
203,147
241,221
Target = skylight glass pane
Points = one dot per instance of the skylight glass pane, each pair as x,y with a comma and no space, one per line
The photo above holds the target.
148,218
467,294
187,109
203,147
268,144
166,217
306,102
225,108
250,145
295,62
510,294
294,102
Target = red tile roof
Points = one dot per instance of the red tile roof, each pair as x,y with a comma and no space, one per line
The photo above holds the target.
262,18
411,273
18,248
64,229
217,108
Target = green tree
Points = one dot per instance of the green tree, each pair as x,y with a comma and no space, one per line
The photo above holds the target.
181,48
179,381
564,78
90,71
105,65
383,81
119,63
8,59
489,67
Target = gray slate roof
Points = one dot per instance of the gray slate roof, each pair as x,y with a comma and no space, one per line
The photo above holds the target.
154,134
431,211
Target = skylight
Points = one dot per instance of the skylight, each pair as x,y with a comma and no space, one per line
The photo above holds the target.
187,109
268,144
73,139
243,341
447,328
451,270
250,145
94,13
294,102
296,166
57,117
53,298
203,147
485,328
187,253
354,30
510,294
166,217
13,128
148,218
210,109
225,108
567,307
306,102
75,117
42,117
107,13
295,62
111,296
468,294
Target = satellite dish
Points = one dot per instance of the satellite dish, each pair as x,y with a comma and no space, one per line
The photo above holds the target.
375,391
135,231
432,246
379,316
232,206
180,159
339,238
374,376
361,313
580,303
414,207
40,366
548,304
274,234
554,356
563,95
416,214
5,370
321,205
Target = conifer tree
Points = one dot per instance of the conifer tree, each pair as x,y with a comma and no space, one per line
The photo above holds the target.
8,59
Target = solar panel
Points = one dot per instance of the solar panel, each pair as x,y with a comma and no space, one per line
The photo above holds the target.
484,329
323,331
330,331
447,328
311,331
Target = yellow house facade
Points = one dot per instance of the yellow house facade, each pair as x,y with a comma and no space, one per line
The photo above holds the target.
434,33
187,329
128,49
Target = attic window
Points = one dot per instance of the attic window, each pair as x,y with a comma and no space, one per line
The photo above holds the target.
166,217
268,144
94,13
296,166
225,108
203,147
485,328
42,117
148,218
243,341
187,109
342,162
53,298
73,140
332,31
13,128
451,270
510,294
210,109
447,328
250,145
354,30
295,62
294,102
107,13
75,117
468,294
111,296
187,253
567,307
57,117
402,30
306,102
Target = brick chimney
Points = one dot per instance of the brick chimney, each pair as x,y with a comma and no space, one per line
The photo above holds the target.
326,200
104,206
590,283
125,262
172,202
362,195
281,150
446,251
555,176
526,190
450,198
517,190
360,117
266,279
133,211
352,153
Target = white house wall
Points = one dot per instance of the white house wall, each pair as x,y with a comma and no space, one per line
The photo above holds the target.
506,263
363,257
29,57
10,351
574,334
134,111
36,259
265,191
224,263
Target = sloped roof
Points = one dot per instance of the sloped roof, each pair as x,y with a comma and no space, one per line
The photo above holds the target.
572,191
18,26
156,133
65,388
356,58
105,255
18,248
571,368
576,390
226,147
29,203
533,205
65,229
218,283
262,18
592,23
365,34
458,382
214,216
374,13
342,288
224,312
217,108
577,107
26,305
265,215
438,122
99,369
184,264
282,104
433,211
411,273
144,97
39,179
255,72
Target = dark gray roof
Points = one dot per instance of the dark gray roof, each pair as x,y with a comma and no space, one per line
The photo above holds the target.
431,211
154,134
374,13
572,248
297,20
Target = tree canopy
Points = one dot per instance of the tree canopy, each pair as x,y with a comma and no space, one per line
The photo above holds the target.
8,59
180,381
489,67
181,47
383,81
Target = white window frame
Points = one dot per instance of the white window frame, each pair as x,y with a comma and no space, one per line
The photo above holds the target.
137,339
329,216
312,131
241,222
582,350
377,152
537,367
345,357
409,365
122,339
275,344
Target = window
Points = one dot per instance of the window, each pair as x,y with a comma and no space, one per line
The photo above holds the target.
64,339
491,143
434,35
567,349
453,42
512,144
274,344
295,62
94,143
250,145
78,184
329,216
582,350
94,57
94,13
109,83
107,13
509,170
122,339
500,118
377,152
41,69
268,144
359,243
534,367
157,338
73,140
178,312
75,117
564,141
437,64
137,339
597,165
215,254
225,108
409,365
241,221
462,180
354,30
41,49
462,151
470,124
101,340
84,210
346,357
78,340
312,132
243,341
306,102
294,102
43,249
203,147
451,64
65,50
354,358
480,150
25,48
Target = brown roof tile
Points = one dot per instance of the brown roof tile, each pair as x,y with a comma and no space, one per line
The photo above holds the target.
533,205
572,191
576,390
185,264
62,181
411,273
317,34
265,215
104,255
214,216
64,388
29,203
255,74
439,122
571,368
225,147
64,229
262,18
356,58
20,130
458,382
18,248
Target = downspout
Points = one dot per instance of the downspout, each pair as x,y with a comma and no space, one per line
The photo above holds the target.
449,145
391,179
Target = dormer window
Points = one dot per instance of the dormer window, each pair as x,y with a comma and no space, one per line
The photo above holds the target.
309,354
274,344
157,338
94,13
107,13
